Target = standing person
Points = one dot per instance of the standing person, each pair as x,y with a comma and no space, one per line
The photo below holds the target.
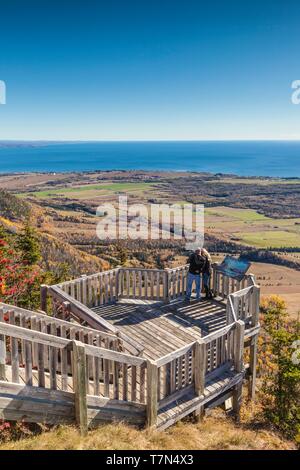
197,264
206,272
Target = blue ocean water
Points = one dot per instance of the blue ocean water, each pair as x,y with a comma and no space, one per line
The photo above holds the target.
245,158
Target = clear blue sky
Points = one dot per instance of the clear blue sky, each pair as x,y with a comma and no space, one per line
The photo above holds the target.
149,69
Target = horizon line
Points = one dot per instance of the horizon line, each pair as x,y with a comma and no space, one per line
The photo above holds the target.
150,140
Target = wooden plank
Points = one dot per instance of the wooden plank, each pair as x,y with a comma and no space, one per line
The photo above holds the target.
125,382
133,383
14,351
53,361
106,373
28,363
64,361
97,369
142,383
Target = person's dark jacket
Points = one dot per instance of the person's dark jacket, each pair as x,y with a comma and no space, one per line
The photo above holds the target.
207,266
197,263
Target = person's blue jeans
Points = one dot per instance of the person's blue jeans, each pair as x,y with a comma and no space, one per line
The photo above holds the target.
206,279
191,278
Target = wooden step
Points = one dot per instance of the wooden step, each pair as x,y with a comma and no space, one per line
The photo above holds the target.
185,405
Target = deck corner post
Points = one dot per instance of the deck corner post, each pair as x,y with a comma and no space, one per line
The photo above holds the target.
239,366
199,374
152,396
255,311
237,399
79,385
239,346
44,297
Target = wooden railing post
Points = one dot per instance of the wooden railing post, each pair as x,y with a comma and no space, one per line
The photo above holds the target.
152,397
200,366
44,295
238,365
117,287
79,385
239,346
199,374
166,286
255,305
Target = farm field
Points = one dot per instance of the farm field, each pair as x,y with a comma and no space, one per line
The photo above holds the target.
281,281
247,226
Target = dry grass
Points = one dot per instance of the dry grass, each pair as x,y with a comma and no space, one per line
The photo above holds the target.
215,432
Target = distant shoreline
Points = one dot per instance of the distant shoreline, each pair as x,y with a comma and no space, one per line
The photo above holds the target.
150,172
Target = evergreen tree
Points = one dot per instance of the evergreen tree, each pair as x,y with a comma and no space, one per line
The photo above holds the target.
27,243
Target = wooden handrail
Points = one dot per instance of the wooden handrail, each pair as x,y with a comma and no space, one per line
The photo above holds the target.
85,313
173,355
58,342
218,334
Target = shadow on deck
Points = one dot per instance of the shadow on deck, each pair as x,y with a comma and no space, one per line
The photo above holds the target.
162,328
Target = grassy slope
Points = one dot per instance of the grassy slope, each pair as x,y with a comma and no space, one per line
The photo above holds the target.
216,432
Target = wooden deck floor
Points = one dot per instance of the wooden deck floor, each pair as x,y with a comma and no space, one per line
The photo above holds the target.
162,328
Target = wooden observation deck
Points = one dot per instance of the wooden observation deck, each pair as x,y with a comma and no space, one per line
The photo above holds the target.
125,345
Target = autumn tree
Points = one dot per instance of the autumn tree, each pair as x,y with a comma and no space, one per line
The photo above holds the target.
281,367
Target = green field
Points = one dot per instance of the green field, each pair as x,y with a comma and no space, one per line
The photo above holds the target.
248,227
90,190
274,239
244,215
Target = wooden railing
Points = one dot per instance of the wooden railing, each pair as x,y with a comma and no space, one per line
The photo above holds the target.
88,292
146,284
87,376
98,289
189,369
152,284
175,372
83,314
244,305
177,281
